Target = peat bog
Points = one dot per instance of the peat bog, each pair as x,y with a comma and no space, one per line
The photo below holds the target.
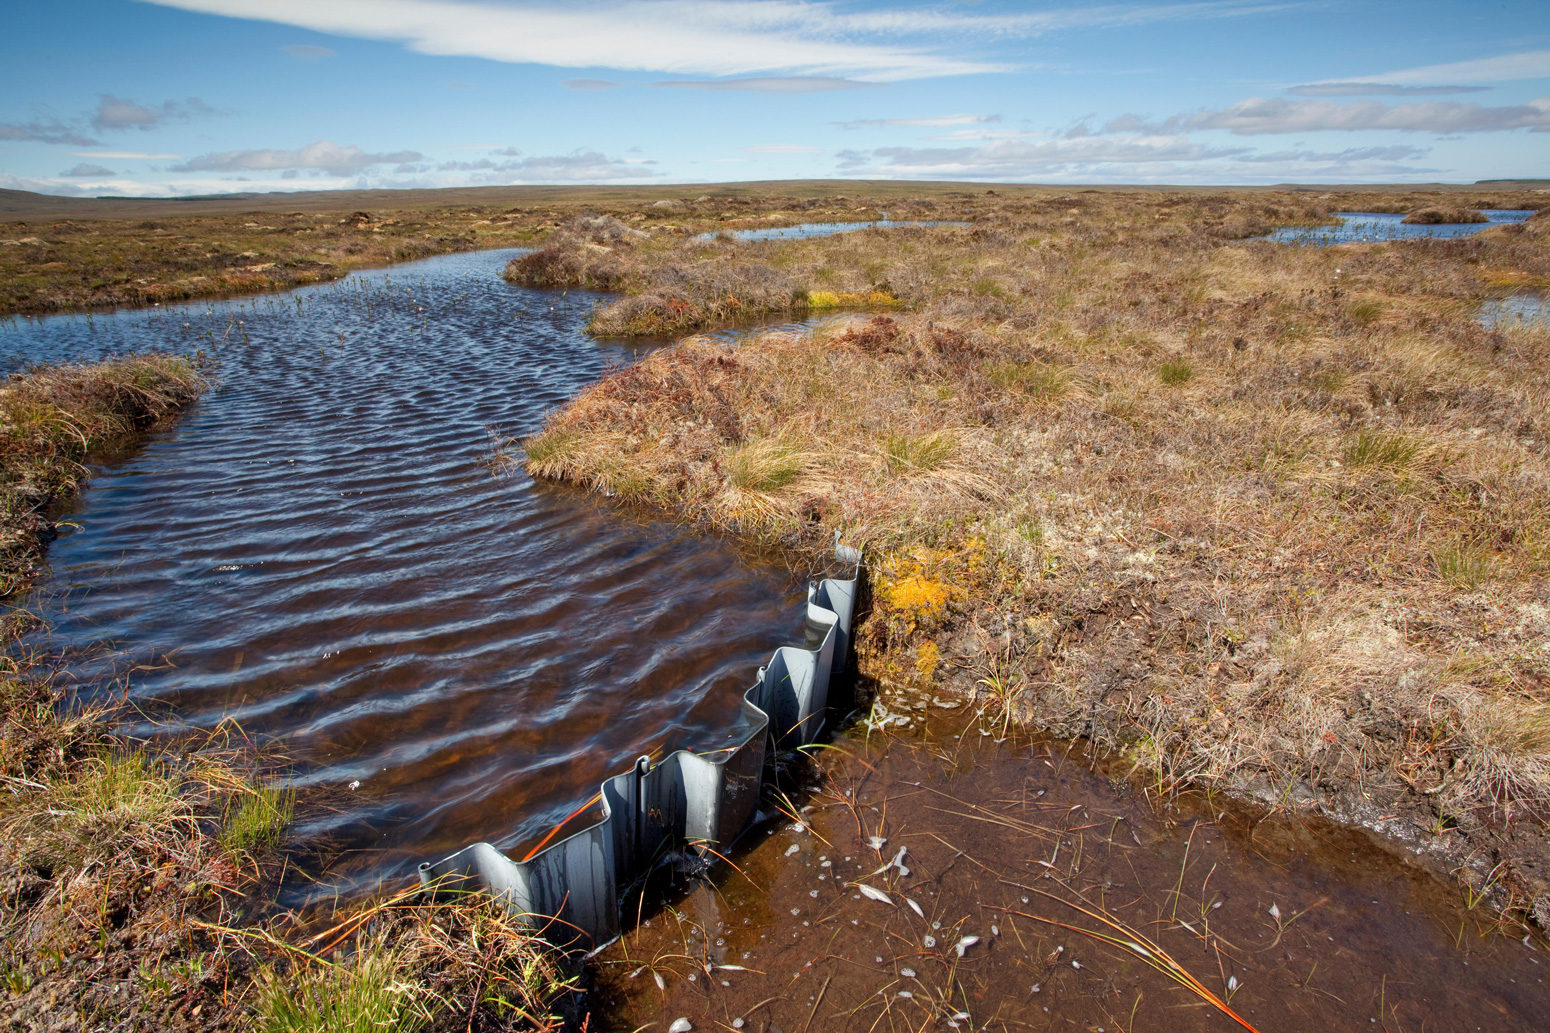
1258,525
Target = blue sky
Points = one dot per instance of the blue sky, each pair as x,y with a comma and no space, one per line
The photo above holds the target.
166,97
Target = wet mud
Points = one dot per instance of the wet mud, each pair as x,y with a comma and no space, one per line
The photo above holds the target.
1025,870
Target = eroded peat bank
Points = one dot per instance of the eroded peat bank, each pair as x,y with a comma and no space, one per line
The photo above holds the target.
1262,518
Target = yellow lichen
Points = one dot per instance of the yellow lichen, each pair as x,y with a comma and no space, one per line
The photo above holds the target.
916,595
927,656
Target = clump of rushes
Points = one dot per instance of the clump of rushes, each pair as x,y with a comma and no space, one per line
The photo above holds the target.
1175,371
1382,450
1354,458
51,417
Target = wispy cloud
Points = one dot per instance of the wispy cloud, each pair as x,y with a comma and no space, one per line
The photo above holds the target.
122,113
1259,115
1377,89
696,37
1530,64
330,157
928,122
1018,159
769,84
1175,159
705,37
308,51
1351,155
580,166
784,148
591,84
85,169
121,155
46,130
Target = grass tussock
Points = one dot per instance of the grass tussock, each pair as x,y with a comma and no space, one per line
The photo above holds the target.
1443,215
1230,506
51,418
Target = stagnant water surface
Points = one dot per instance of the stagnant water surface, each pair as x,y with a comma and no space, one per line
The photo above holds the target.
319,552
807,230
973,854
1380,226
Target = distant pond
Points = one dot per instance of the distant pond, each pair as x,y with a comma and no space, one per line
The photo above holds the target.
1380,226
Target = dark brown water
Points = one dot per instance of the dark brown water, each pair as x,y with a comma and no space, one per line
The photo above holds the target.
1292,923
320,553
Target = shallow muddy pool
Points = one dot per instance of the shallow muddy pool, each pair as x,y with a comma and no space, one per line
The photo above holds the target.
942,880
1366,227
320,552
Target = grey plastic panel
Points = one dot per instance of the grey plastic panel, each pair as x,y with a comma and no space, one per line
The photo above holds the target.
570,890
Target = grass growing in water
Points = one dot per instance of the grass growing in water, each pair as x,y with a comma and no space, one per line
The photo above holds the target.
257,819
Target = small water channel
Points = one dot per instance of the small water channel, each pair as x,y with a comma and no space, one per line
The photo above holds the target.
319,552
1371,227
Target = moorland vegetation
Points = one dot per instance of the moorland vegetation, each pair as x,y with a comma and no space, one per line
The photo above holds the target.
1266,518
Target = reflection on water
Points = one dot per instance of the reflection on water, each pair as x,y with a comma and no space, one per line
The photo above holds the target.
820,229
1380,226
319,551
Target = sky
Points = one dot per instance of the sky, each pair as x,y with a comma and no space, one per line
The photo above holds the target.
181,97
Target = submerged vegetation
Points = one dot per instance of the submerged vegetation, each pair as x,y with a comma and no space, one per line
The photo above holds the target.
1264,517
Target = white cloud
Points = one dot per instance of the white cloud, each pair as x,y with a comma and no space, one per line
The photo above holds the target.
1020,159
784,148
43,186
122,155
581,166
769,84
46,130
1134,159
84,170
1259,115
929,122
122,113
1377,89
701,37
336,159
697,37
1532,64
1351,155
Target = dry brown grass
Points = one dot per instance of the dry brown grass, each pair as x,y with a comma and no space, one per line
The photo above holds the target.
51,418
1269,517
